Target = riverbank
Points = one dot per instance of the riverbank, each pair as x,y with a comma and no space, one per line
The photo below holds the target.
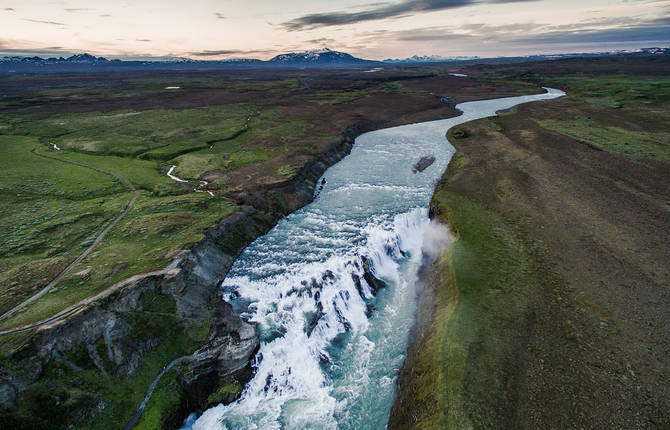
550,308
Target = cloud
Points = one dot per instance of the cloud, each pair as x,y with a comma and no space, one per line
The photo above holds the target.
9,9
380,11
143,40
657,30
321,41
39,21
223,52
219,15
51,51
483,39
77,9
214,53
105,15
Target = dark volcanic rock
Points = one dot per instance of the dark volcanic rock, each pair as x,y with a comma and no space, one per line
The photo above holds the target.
374,282
225,359
423,163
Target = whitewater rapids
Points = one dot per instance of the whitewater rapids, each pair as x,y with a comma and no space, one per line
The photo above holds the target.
331,346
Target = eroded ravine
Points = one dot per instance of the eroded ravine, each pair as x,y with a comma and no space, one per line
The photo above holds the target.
333,339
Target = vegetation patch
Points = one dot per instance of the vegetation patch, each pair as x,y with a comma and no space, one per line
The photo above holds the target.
73,393
485,284
461,133
226,394
616,139
287,171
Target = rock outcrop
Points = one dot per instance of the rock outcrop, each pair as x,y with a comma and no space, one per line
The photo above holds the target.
423,163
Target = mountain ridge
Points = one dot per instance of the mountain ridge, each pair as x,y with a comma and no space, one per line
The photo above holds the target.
319,58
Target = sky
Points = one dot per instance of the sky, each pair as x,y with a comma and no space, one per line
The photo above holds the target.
372,29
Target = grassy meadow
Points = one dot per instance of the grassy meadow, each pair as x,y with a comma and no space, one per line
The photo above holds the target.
53,208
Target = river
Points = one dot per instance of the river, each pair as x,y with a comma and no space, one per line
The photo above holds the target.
331,346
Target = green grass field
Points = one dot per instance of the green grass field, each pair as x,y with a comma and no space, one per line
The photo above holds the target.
615,91
53,209
482,283
635,143
49,211
623,94
154,134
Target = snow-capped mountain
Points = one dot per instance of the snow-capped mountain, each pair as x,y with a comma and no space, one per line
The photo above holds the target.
325,57
426,59
74,59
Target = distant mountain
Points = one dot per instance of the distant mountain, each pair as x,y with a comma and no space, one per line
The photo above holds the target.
75,59
437,58
241,60
427,59
87,62
318,58
86,59
83,62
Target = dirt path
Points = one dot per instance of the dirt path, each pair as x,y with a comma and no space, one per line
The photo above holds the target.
87,301
152,387
88,250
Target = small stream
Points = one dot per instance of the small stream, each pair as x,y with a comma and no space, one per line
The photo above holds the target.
331,346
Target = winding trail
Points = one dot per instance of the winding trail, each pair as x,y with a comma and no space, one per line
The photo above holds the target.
79,306
88,250
131,423
152,387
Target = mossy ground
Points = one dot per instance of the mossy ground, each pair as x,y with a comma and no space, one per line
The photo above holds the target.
483,283
611,96
634,143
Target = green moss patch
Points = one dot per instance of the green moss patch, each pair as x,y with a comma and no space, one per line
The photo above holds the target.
226,394
616,139
485,284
